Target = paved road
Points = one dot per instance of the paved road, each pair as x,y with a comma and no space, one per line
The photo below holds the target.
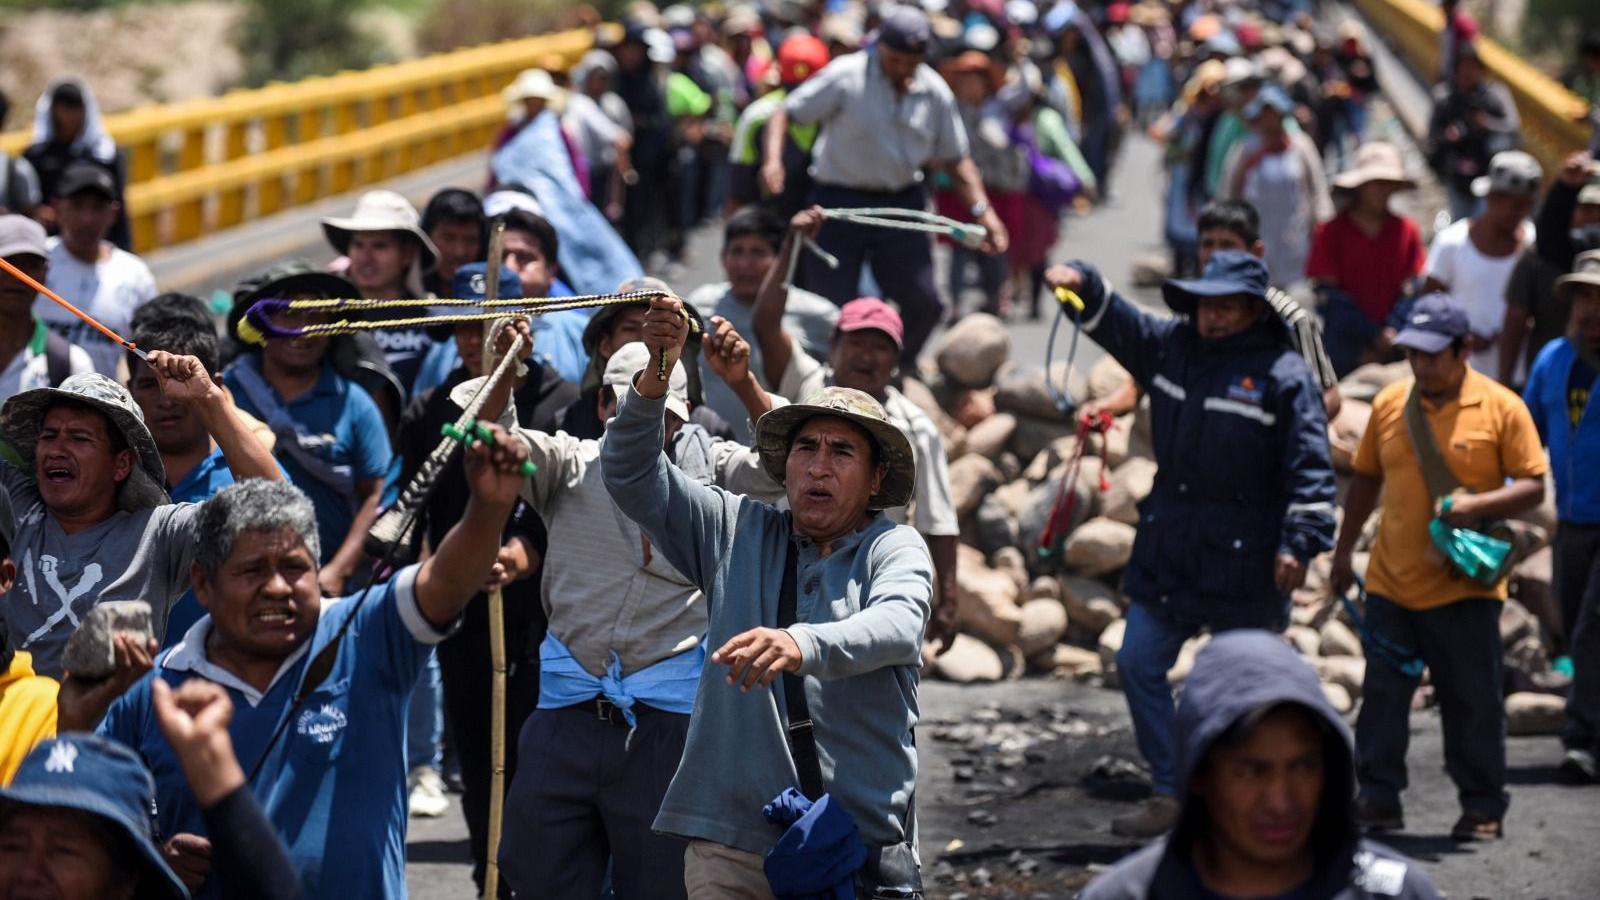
1042,808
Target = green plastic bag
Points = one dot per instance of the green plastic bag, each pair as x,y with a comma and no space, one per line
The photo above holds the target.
1478,556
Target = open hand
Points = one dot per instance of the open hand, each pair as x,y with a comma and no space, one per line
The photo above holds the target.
194,718
183,377
727,353
81,704
757,656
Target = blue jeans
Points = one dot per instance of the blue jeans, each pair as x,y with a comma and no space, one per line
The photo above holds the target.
1149,648
425,717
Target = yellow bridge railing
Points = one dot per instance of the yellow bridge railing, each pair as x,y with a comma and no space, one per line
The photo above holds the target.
205,165
1554,120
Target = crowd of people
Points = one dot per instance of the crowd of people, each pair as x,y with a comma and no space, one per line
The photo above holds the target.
721,530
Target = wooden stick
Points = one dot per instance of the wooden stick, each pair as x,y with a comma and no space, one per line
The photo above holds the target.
497,745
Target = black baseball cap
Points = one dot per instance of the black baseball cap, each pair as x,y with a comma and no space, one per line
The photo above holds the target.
905,28
87,177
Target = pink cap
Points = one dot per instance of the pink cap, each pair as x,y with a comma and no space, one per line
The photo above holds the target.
870,312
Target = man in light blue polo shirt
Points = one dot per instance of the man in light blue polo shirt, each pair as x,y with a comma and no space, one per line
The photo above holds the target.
328,755
331,437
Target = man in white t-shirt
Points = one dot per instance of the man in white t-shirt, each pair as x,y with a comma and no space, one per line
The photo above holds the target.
90,272
1472,259
31,355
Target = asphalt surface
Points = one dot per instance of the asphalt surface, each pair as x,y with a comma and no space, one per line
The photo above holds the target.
1021,823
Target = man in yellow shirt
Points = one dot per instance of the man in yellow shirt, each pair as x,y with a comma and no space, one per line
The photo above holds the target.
27,701
1419,607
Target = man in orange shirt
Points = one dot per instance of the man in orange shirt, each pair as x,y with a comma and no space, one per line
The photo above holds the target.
1419,607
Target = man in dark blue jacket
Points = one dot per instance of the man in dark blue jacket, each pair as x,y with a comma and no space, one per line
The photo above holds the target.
1244,497
1268,774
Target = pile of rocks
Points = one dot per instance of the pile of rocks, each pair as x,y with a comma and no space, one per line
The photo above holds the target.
1061,610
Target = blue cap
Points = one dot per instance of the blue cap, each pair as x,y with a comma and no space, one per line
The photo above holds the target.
101,777
1229,272
1436,321
471,282
1271,95
1223,43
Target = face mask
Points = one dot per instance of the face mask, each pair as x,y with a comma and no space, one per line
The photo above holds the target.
1585,238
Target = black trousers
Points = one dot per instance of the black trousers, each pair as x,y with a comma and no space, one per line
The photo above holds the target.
468,677
586,794
901,261
1577,577
1460,642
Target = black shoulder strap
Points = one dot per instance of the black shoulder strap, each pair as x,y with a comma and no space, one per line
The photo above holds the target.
57,358
802,736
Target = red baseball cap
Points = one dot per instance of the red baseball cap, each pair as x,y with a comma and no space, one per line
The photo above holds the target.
800,56
870,312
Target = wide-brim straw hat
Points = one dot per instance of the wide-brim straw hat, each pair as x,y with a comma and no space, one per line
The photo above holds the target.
22,418
380,211
776,430
1375,161
1585,270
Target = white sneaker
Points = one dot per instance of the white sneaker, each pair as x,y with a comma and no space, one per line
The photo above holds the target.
1579,766
427,794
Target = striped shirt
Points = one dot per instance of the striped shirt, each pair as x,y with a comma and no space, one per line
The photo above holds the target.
1306,333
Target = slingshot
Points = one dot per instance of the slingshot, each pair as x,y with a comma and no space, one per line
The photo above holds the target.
94,323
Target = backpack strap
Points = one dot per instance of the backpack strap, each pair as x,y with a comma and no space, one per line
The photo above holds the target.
800,731
1436,473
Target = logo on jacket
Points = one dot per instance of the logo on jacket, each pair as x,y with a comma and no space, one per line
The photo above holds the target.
1245,389
321,725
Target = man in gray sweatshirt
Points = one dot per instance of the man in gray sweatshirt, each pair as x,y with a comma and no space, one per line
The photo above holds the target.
862,589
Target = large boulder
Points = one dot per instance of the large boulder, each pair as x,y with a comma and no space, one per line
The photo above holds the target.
970,407
1043,623
1530,585
1348,672
1515,623
1051,455
1115,445
993,526
1305,639
1091,605
1105,377
1023,389
1011,561
1364,383
986,600
971,477
1344,432
1338,639
969,660
973,349
1042,499
1131,482
1531,714
953,433
1066,661
1033,434
1099,547
990,437
1339,698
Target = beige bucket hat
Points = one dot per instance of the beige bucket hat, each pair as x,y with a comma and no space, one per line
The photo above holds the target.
1375,161
380,211
777,429
1585,270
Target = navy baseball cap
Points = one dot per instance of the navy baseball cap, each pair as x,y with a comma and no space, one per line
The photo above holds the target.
1436,321
471,282
905,28
1227,273
91,774
84,177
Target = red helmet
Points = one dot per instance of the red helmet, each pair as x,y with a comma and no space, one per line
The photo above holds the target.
799,57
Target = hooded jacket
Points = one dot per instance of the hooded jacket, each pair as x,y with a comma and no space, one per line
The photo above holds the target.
49,156
1245,473
1239,674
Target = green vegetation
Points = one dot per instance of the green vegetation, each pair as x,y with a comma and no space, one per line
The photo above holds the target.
287,40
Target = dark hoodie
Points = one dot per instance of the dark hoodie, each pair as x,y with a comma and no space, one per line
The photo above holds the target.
1237,674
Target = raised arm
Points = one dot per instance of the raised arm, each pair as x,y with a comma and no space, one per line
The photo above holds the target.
457,569
766,317
691,523
1131,335
185,378
728,355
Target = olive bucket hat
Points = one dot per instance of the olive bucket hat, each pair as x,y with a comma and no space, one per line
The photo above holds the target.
22,418
776,431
